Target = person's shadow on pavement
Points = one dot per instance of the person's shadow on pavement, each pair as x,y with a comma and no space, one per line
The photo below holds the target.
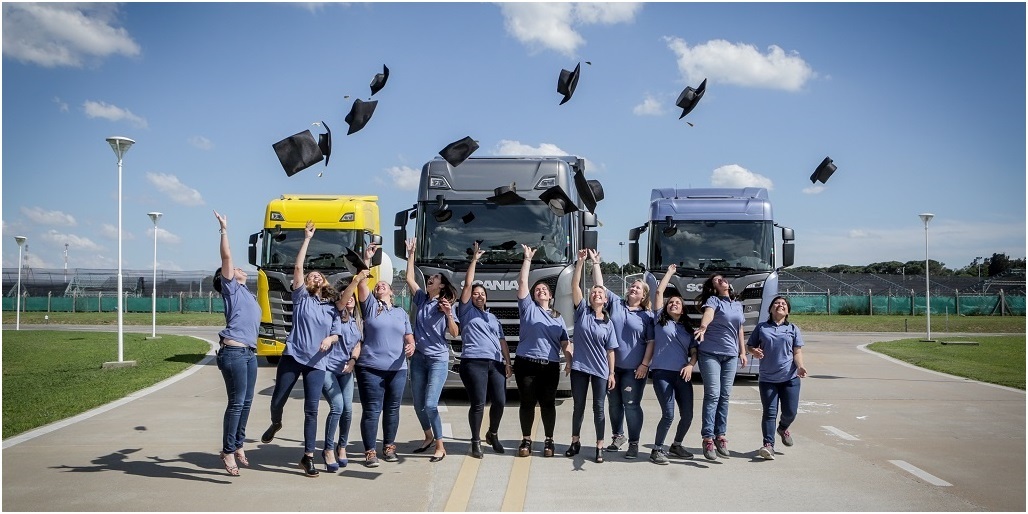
154,467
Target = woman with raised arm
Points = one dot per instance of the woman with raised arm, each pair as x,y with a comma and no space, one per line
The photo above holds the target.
338,388
671,367
722,351
633,326
592,365
537,361
237,357
779,346
433,319
382,367
315,329
484,359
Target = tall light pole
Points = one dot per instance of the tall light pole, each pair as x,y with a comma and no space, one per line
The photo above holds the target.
154,216
120,145
17,308
65,263
926,217
624,286
980,260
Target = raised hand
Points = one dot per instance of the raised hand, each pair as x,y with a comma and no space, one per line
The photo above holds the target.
222,220
529,251
308,231
411,244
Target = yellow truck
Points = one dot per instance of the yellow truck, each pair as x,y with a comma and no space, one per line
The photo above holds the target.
342,221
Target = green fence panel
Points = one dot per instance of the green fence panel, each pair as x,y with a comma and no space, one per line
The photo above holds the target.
881,305
1016,305
138,304
87,303
168,304
848,304
9,304
808,304
207,304
109,304
62,304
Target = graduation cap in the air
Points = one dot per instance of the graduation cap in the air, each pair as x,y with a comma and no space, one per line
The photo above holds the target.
823,171
559,201
506,245
468,218
506,195
590,191
567,82
442,212
458,151
354,261
360,114
380,80
689,97
300,151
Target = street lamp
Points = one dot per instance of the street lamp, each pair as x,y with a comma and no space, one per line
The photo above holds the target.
154,216
120,145
926,217
17,308
980,260
624,286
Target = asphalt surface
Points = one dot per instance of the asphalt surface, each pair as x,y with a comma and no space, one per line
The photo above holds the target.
873,434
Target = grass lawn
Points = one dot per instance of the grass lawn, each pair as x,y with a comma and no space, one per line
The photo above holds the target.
184,319
913,324
52,375
997,359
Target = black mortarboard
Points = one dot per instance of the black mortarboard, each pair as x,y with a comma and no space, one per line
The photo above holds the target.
380,80
354,261
590,191
458,151
690,97
567,82
360,114
468,218
506,195
506,245
442,213
325,142
298,152
823,171
559,201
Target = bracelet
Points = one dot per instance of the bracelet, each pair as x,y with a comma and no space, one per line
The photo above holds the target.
354,359
222,231
647,365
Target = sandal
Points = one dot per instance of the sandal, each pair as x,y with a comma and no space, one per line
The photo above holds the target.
241,458
231,468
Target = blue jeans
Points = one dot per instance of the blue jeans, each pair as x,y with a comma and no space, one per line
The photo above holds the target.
581,382
426,382
718,375
238,367
381,393
771,393
672,389
624,402
484,379
338,390
288,372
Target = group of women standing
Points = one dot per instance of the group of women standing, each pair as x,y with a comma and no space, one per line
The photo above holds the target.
358,335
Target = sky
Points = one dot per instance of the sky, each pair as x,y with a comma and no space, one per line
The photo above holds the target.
920,105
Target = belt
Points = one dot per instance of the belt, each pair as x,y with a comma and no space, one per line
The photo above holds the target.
543,362
229,342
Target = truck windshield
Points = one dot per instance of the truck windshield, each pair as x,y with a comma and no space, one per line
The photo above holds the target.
502,230
326,250
715,246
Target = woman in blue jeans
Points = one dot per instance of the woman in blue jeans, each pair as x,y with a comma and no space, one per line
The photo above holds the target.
237,359
592,364
722,351
633,326
338,388
315,329
433,318
779,346
484,360
382,367
671,369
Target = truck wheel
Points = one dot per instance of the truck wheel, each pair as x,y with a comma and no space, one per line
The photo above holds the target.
272,359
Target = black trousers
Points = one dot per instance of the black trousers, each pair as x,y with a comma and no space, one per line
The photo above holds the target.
484,379
537,384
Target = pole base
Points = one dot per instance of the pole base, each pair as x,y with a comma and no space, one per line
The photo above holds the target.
151,337
928,340
119,364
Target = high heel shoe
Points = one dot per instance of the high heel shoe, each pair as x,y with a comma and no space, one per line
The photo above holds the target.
438,458
599,455
490,437
425,448
307,465
332,467
476,449
548,448
525,449
230,468
573,450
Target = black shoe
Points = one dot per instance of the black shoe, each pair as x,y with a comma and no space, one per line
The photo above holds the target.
548,448
490,437
476,449
269,434
573,449
425,448
307,465
525,449
599,454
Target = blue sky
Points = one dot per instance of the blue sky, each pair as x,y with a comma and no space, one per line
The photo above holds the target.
922,107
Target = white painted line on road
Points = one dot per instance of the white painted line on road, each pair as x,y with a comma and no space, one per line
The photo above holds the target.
920,473
755,388
447,430
840,433
442,408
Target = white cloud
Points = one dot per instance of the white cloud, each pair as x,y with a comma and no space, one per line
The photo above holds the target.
176,190
112,113
405,177
74,242
814,189
61,104
63,34
42,217
552,25
200,142
741,64
163,236
733,175
650,106
111,232
509,147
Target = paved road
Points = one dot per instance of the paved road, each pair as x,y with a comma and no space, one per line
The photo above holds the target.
873,435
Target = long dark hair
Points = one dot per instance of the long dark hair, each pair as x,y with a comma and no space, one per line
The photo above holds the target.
788,306
216,281
709,290
485,291
682,320
554,313
447,291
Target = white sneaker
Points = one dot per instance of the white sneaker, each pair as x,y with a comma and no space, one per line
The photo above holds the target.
767,452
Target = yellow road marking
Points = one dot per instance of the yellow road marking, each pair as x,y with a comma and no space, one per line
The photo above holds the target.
461,492
517,486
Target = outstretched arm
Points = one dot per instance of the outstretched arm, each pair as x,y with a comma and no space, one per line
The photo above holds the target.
576,279
469,277
597,271
526,265
301,255
227,272
671,268
351,289
411,283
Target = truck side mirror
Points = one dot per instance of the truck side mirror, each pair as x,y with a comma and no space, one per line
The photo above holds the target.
589,239
401,219
633,234
633,252
588,220
788,234
788,253
376,239
252,250
400,242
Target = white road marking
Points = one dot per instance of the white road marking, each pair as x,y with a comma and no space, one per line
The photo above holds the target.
920,473
840,433
447,431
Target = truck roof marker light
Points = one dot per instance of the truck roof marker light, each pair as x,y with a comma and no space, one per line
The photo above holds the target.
547,182
442,212
438,182
276,216
671,229
347,217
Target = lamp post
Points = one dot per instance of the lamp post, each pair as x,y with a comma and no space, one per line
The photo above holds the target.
120,145
624,286
926,217
980,260
65,263
17,308
154,216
